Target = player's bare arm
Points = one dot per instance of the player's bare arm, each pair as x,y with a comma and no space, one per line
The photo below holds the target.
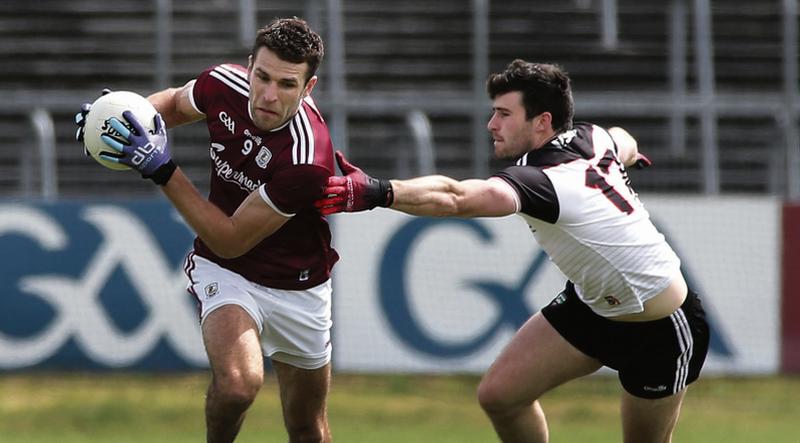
175,105
228,237
433,195
441,196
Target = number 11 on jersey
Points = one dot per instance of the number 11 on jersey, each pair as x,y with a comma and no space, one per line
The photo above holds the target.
596,180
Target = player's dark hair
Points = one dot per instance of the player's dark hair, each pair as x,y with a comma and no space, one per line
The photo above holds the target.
292,40
544,87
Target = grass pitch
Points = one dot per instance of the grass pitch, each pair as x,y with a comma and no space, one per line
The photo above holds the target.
89,408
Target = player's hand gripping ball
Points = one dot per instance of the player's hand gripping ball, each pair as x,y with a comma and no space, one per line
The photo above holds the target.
96,123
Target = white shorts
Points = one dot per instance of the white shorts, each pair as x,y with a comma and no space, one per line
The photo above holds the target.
295,326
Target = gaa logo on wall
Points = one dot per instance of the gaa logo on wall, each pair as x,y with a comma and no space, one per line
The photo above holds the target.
89,285
96,286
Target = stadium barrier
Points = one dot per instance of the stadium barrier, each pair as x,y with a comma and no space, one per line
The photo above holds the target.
100,285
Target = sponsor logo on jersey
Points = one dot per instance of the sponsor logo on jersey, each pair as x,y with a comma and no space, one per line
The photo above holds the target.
225,171
304,274
256,138
263,157
227,121
659,388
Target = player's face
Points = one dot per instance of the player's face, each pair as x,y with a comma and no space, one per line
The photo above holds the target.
276,88
512,133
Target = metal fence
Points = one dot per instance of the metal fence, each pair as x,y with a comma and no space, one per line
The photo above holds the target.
701,101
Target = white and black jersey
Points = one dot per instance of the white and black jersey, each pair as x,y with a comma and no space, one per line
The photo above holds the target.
575,195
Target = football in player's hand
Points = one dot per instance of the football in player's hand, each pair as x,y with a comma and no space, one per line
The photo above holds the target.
96,123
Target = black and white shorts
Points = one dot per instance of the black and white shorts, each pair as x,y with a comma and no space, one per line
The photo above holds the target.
654,359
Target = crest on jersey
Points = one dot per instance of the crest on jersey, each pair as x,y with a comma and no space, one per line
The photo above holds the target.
211,289
263,157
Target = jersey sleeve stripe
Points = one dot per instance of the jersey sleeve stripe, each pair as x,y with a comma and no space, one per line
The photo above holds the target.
511,191
233,76
232,85
233,71
309,131
191,97
262,191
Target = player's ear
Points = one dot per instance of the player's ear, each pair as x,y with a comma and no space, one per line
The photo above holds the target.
309,86
545,121
249,63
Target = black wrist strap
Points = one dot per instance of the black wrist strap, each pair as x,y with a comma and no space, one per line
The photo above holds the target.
387,192
163,173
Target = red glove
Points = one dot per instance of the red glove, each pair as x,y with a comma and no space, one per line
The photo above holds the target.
353,192
642,161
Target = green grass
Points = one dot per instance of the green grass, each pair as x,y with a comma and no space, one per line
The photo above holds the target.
88,408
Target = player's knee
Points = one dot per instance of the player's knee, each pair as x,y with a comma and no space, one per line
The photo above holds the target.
496,399
490,397
237,389
307,431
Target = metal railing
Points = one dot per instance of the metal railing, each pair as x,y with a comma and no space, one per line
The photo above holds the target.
42,123
675,104
421,129
788,119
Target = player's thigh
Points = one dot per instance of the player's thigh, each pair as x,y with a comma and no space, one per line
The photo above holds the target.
232,342
646,420
304,392
536,360
297,330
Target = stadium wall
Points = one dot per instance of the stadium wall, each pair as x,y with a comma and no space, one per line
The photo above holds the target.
100,285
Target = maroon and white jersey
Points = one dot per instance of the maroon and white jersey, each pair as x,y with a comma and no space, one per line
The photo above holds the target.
576,197
288,166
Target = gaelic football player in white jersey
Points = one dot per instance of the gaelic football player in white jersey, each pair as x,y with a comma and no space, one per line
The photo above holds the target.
626,305
261,264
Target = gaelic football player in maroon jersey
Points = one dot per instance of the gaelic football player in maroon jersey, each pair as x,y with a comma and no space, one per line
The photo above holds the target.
262,259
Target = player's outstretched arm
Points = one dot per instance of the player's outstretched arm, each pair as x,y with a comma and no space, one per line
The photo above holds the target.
433,195
228,237
440,196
